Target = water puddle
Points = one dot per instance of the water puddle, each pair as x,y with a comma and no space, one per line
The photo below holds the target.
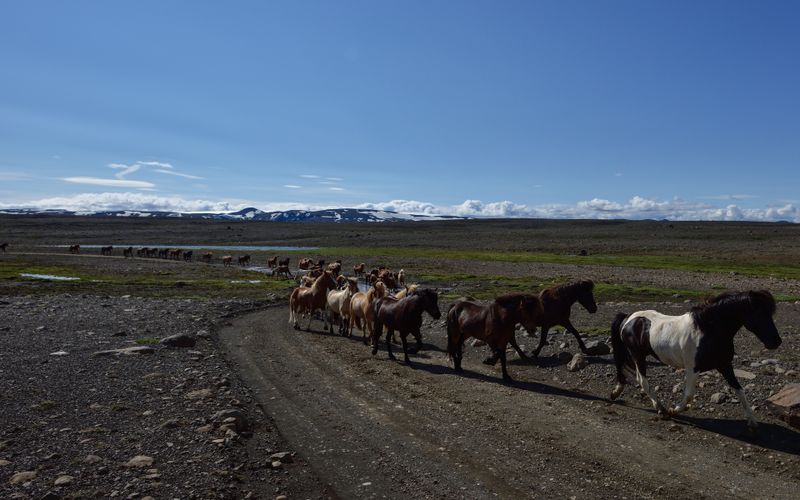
48,277
249,282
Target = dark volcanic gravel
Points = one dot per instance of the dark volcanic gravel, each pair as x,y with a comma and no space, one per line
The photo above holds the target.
68,413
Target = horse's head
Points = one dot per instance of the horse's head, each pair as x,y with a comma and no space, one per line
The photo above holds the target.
352,285
586,296
530,310
430,301
758,318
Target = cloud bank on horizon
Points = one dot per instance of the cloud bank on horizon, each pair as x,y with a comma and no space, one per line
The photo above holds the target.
636,208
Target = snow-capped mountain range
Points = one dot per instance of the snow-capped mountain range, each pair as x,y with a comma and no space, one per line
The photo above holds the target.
252,214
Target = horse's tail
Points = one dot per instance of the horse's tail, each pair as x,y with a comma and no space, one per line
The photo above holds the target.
622,356
453,334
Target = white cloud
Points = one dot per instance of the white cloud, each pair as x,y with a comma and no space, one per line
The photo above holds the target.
309,176
335,189
636,208
178,174
129,201
731,197
125,169
155,164
336,179
96,181
292,186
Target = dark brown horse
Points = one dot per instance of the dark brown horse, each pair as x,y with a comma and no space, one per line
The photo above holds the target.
556,306
493,323
206,257
187,256
3,247
273,262
74,249
405,316
244,260
284,262
127,252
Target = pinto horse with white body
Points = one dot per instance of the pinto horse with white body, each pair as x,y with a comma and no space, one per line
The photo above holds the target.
698,341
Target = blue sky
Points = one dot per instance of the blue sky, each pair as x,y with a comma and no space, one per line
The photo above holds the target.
531,108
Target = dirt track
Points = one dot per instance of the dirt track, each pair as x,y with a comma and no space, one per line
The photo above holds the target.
371,427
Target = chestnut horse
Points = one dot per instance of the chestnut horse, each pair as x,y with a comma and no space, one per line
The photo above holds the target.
556,305
305,263
493,323
359,269
361,309
405,316
206,257
308,300
227,260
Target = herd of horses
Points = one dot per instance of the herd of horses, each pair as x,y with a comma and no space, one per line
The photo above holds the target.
697,341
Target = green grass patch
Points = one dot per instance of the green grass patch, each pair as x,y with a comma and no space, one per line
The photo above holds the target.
148,340
671,262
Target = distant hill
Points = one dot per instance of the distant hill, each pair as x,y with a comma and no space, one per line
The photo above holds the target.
332,215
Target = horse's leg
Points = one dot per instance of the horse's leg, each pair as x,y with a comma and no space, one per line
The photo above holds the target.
730,378
389,335
542,341
506,376
418,335
571,329
459,355
513,342
641,372
688,391
403,336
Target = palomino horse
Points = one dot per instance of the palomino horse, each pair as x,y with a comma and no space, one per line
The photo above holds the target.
308,300
493,323
361,313
273,262
697,341
335,267
405,316
406,291
74,249
339,305
401,277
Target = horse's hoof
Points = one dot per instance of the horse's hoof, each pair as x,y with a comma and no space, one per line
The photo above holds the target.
374,352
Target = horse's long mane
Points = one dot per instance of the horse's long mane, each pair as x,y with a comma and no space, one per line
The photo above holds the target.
570,289
722,308
514,299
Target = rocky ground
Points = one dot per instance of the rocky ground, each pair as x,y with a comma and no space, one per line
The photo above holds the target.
159,422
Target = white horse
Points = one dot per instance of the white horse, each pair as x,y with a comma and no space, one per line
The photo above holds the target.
339,305
697,341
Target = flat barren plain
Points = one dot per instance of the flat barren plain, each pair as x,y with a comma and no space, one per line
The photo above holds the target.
94,405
